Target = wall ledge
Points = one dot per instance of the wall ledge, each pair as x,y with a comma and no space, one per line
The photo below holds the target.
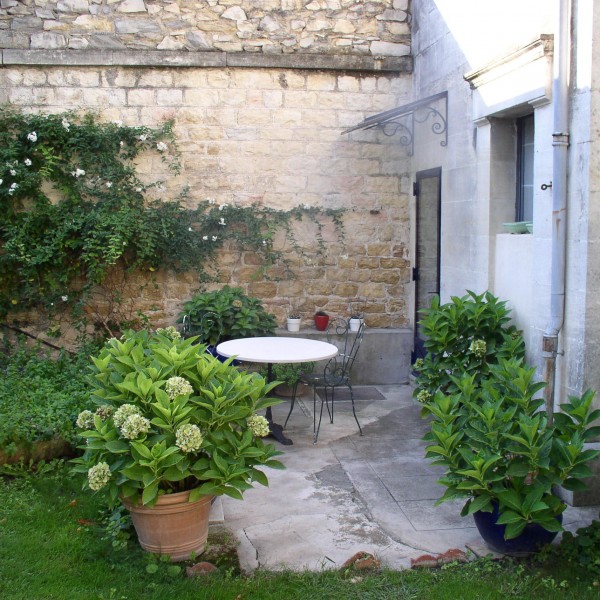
158,58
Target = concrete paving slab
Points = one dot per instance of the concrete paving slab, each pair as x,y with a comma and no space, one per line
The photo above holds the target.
348,493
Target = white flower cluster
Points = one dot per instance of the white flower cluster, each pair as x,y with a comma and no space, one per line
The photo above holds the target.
423,396
105,412
98,476
32,137
85,419
178,386
134,426
258,425
161,147
124,412
170,332
189,438
478,348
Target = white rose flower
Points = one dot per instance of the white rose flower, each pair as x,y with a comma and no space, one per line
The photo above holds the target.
32,137
13,172
109,184
161,146
66,124
27,162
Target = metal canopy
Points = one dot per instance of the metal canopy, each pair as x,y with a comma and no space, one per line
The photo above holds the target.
402,120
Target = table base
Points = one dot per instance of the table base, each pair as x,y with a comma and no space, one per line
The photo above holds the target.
276,430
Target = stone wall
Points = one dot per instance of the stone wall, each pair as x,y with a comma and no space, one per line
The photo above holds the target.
371,27
271,136
260,93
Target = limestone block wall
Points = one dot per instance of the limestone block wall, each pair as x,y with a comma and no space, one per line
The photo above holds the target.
259,93
263,135
372,27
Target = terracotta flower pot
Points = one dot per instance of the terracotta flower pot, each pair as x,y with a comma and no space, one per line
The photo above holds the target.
173,526
321,322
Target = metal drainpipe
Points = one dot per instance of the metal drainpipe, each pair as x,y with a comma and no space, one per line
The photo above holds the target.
560,143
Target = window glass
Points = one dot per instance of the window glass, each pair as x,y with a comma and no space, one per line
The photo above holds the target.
525,137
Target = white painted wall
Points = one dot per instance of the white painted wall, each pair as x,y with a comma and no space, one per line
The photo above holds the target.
454,38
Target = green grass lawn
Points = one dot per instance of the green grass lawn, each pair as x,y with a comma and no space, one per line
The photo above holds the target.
52,546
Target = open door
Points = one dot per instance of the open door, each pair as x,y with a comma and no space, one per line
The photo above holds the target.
426,271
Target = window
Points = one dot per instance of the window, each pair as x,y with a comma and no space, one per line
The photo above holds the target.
524,205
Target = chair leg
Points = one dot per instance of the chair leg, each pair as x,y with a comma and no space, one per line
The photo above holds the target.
353,409
317,428
294,389
332,399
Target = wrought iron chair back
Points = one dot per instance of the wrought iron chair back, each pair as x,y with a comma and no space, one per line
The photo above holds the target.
206,323
336,373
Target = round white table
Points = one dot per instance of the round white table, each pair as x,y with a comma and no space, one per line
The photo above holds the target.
271,350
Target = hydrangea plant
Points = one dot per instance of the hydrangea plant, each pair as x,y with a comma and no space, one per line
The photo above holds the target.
169,418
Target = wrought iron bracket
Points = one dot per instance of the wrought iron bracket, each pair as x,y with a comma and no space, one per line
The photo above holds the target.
403,120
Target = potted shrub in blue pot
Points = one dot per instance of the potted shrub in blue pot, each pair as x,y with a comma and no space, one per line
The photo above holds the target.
505,457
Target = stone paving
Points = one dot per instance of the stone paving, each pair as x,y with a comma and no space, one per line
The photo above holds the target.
349,494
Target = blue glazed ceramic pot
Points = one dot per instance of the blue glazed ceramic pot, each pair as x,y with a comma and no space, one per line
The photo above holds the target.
530,541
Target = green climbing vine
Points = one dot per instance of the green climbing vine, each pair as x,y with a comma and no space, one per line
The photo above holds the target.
72,208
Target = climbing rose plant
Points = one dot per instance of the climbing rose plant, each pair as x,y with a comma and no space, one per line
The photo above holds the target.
72,210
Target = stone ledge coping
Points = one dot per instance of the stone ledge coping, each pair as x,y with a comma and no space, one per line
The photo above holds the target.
157,58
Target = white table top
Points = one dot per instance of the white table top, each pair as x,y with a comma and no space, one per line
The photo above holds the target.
277,349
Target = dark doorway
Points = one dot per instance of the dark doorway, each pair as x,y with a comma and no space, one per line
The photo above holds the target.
426,272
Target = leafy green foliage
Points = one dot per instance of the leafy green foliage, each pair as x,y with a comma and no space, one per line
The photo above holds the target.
227,314
289,373
465,336
40,396
215,400
72,205
581,549
496,445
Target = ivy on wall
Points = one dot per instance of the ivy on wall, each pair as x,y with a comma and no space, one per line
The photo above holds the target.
72,208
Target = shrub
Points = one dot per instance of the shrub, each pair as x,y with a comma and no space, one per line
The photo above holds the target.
39,396
465,336
227,314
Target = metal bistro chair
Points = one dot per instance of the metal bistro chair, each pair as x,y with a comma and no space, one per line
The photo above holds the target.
335,374
206,322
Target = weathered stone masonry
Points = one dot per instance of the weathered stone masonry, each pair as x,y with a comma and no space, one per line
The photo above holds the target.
258,118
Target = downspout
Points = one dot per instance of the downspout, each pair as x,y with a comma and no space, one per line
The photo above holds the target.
560,143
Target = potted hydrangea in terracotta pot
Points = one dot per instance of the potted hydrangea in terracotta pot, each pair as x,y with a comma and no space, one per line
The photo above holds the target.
172,427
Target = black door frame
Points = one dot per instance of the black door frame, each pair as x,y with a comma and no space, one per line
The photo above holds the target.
418,347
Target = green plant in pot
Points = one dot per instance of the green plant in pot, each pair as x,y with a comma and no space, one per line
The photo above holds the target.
503,457
225,314
172,424
464,336
288,375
